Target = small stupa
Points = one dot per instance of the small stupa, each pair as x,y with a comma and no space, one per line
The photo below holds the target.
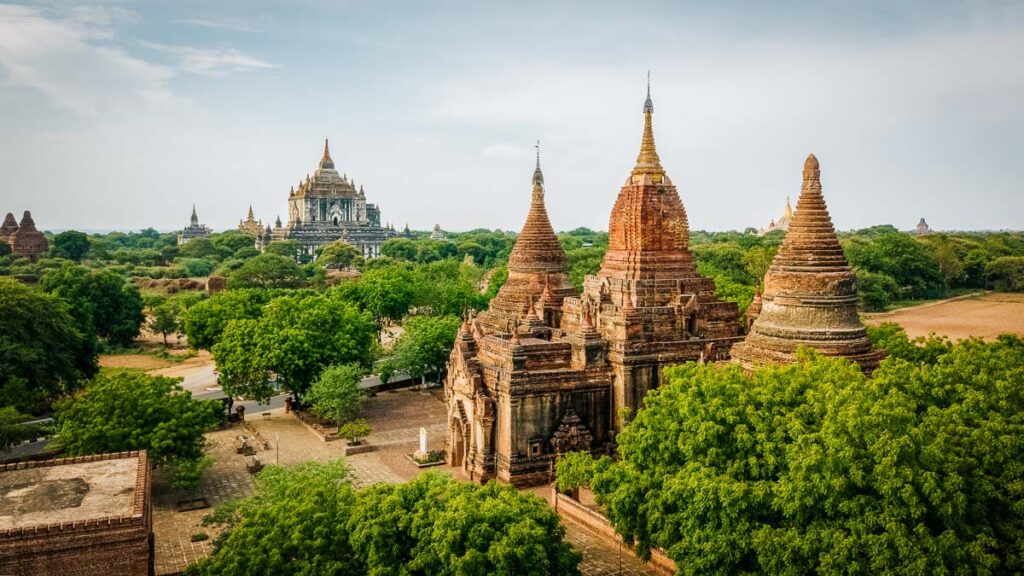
810,294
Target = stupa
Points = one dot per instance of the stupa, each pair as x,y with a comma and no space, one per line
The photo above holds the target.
810,294
9,227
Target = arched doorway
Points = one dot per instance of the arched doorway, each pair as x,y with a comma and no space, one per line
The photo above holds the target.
458,458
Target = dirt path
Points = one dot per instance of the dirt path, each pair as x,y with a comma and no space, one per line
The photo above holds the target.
985,315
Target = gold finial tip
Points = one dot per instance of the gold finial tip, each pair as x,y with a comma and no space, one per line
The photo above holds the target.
811,163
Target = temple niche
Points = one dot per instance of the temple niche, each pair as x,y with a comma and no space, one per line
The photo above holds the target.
810,293
545,371
328,206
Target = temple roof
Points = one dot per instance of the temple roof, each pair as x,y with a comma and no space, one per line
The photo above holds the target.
9,226
537,247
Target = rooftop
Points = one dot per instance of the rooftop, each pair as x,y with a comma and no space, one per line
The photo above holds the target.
71,490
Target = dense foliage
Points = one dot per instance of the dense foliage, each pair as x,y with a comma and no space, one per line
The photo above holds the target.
424,347
43,353
335,394
294,338
103,302
131,411
309,520
814,468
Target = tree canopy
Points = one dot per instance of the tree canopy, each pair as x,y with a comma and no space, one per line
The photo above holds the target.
267,271
309,520
70,244
43,354
425,345
205,322
131,411
814,468
295,338
335,394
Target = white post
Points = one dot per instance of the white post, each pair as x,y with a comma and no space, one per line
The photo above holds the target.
423,441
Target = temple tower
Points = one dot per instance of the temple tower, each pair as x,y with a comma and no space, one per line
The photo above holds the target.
810,294
648,301
26,241
537,277
9,227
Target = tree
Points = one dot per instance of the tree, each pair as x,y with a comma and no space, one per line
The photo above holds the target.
166,319
295,338
386,293
117,307
131,411
196,267
286,248
425,345
70,244
309,520
204,322
815,469
13,428
267,271
335,394
1007,273
203,248
355,431
339,254
42,352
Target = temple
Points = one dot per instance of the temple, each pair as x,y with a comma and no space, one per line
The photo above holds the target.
195,229
251,225
437,233
23,238
810,294
782,223
922,227
328,207
545,371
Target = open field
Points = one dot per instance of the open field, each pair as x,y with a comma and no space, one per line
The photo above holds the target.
985,316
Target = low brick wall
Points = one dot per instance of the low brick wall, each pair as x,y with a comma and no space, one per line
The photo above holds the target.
595,522
120,545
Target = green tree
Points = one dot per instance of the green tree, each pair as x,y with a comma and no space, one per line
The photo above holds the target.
165,319
386,293
309,520
42,352
196,267
286,248
355,431
815,469
335,394
70,244
203,248
267,271
117,307
204,322
424,346
296,338
339,254
131,411
1007,273
399,249
13,428
230,242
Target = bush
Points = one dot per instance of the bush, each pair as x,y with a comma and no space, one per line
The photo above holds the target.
355,431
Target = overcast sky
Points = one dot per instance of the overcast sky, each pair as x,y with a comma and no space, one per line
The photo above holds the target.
122,115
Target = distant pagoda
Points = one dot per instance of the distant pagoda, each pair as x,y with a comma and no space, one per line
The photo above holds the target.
810,294
328,207
23,238
922,227
782,223
251,225
194,229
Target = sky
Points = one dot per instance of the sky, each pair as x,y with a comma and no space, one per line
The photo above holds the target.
122,115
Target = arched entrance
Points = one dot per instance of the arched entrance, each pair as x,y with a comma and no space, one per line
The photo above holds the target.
458,436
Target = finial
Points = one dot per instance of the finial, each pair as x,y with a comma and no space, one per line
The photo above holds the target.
648,104
538,176
811,163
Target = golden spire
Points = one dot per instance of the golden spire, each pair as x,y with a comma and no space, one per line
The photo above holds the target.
648,166
787,214
538,176
326,162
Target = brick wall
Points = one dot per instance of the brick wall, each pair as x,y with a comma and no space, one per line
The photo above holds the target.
109,546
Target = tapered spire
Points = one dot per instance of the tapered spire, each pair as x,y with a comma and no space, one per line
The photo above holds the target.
195,217
326,163
538,176
648,167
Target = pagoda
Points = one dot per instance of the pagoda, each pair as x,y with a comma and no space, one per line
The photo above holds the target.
810,294
195,229
329,206
543,371
8,228
26,241
251,225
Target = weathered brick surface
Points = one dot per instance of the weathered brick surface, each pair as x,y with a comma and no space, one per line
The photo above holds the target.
84,547
810,293
544,371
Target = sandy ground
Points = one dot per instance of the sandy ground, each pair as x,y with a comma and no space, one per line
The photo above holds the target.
985,316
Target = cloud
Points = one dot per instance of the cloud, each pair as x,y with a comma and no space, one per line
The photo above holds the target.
214,62
233,26
67,59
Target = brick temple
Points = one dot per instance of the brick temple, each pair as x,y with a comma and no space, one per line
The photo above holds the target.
545,371
810,293
23,238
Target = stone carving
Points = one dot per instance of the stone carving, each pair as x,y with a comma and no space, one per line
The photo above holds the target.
571,434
